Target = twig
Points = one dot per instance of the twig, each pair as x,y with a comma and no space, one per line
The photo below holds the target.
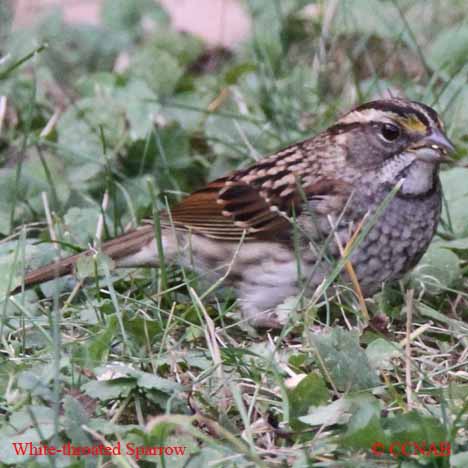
50,124
217,102
72,295
344,252
50,225
212,342
3,105
409,321
416,333
100,223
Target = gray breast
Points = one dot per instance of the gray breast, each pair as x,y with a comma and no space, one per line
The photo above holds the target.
398,239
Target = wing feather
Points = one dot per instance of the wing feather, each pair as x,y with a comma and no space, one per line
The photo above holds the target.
256,202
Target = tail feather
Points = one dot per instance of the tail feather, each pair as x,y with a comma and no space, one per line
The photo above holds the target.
123,246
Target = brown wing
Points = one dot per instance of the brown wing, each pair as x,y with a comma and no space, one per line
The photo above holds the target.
256,202
223,211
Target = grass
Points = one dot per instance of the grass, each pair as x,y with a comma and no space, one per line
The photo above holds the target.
155,357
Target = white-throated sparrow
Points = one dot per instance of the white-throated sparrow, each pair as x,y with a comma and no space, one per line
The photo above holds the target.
264,226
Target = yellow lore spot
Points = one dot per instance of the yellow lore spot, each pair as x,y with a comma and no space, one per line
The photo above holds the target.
413,124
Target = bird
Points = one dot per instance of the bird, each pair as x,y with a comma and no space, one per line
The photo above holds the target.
281,223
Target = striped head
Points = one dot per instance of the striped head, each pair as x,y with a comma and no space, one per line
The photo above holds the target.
395,139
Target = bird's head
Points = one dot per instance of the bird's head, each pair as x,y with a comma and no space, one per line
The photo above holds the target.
396,140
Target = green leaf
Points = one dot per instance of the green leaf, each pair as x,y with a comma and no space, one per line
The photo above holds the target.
381,18
459,460
122,15
98,346
364,427
438,269
91,265
8,454
189,110
228,133
107,427
74,417
35,384
21,420
427,311
79,47
380,353
34,256
454,183
116,374
138,328
458,210
162,150
28,191
108,390
233,74
6,19
138,100
37,182
449,49
79,138
21,428
93,84
311,391
182,46
81,223
338,412
158,68
345,361
456,194
154,382
455,244
414,427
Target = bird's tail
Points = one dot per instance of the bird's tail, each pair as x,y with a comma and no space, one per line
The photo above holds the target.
134,248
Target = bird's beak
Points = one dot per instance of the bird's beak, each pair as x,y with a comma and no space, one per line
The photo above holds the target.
434,147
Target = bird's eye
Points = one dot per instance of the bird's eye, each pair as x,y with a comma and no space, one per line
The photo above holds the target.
390,132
